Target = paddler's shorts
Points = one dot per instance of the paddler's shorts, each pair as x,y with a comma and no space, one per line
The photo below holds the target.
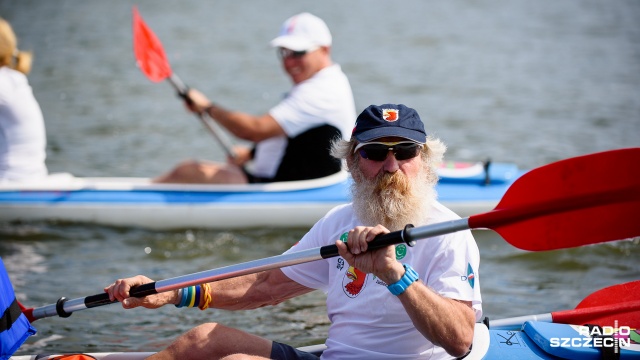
281,351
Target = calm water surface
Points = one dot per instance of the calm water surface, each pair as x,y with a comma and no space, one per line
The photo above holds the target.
517,81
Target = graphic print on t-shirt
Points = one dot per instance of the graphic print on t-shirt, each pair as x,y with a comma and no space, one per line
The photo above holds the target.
354,281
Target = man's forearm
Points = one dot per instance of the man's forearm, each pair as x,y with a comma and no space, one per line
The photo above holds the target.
445,322
254,291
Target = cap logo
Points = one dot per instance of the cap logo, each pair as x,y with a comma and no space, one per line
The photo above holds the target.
390,114
291,26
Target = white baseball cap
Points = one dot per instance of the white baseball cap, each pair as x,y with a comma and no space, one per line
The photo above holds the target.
303,32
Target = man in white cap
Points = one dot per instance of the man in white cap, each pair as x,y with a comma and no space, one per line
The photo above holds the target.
396,302
293,138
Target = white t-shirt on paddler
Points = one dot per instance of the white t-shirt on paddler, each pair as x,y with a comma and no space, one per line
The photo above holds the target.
325,98
367,321
22,132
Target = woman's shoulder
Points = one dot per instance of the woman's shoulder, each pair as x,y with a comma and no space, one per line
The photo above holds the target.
7,73
10,80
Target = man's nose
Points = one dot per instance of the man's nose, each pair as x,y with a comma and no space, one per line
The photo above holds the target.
390,163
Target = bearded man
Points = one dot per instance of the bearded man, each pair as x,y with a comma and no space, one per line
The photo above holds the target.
396,302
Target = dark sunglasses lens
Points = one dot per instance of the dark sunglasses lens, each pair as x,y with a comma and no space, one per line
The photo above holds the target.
286,53
406,151
378,152
374,152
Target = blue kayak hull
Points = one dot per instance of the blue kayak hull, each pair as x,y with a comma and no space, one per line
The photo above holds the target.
138,202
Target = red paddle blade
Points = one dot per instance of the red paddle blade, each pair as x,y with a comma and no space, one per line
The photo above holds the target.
618,303
148,50
583,200
629,291
615,315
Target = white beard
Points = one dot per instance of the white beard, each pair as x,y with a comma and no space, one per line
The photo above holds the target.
392,199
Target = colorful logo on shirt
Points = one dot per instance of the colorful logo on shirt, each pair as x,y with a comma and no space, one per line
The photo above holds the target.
470,277
390,114
354,282
401,251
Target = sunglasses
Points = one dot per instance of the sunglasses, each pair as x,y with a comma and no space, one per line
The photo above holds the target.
378,151
287,53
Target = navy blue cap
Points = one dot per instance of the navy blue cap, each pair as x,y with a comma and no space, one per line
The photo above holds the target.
377,121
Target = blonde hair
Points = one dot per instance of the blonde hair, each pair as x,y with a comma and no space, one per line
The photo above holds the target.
10,56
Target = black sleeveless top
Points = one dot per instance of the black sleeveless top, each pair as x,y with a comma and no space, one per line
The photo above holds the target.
307,156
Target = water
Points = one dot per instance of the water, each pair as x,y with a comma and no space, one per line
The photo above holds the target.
517,81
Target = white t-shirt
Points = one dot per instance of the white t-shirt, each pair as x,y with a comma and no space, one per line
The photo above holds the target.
325,98
22,132
367,321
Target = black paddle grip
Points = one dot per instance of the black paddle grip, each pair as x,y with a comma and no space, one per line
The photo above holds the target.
392,238
183,94
103,299
143,290
97,300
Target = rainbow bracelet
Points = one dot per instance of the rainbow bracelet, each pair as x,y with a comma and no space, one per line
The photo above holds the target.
189,297
197,299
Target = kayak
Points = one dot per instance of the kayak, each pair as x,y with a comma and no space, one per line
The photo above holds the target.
584,191
466,188
534,340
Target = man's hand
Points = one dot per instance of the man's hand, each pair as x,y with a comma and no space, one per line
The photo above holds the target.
196,101
119,291
381,262
242,156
